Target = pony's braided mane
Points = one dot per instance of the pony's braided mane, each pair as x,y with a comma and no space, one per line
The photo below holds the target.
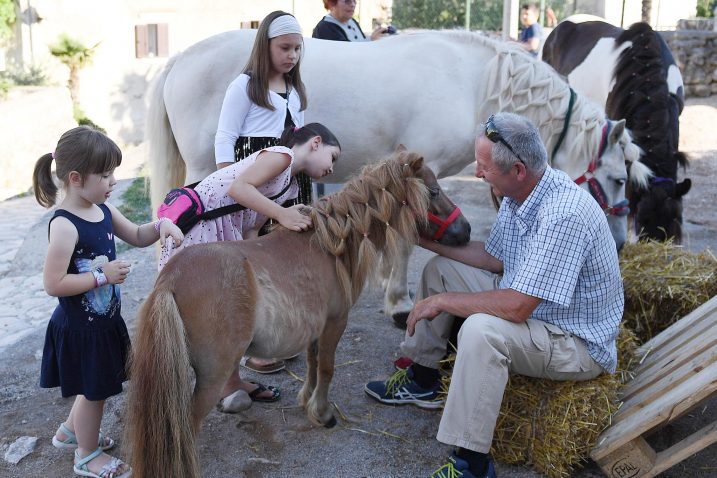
372,215
641,95
516,83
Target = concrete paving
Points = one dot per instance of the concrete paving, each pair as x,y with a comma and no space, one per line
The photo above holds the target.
21,290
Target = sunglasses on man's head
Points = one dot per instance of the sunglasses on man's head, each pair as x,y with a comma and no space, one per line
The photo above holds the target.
492,133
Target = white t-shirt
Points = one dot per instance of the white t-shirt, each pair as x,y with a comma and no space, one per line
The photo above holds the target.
241,117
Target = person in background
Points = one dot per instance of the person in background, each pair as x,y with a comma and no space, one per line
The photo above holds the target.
550,19
532,33
339,24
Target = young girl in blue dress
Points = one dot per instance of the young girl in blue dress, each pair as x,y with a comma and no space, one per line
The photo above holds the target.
87,344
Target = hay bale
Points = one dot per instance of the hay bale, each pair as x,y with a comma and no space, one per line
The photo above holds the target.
553,425
664,282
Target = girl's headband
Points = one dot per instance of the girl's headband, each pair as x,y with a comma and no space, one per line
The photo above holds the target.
284,25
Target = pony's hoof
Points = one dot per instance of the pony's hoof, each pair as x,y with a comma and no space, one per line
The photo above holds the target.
331,423
399,319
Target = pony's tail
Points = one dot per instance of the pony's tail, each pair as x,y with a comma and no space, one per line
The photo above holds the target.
159,428
166,166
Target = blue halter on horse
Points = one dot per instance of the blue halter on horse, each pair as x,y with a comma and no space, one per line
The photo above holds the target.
644,87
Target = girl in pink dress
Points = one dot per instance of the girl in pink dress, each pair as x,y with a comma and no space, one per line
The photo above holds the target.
311,149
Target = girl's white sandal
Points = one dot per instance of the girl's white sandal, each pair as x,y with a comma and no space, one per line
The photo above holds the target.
107,471
70,443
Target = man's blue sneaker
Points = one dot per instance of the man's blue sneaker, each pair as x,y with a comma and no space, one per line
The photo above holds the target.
458,467
401,389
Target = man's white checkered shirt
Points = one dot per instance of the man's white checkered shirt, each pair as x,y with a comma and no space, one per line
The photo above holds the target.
557,246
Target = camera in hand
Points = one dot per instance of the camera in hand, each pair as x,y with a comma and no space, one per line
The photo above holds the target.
391,30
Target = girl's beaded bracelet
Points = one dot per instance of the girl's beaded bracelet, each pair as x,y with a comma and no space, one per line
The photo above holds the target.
100,277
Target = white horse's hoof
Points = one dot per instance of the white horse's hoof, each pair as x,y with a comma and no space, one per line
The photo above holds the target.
235,403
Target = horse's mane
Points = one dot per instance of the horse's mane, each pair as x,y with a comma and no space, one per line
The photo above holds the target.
642,97
518,83
372,215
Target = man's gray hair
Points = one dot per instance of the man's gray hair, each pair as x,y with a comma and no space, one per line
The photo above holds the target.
522,135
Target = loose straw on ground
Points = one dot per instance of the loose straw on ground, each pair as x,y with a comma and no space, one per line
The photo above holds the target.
663,283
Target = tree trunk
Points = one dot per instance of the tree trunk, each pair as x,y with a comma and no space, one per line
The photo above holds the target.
73,84
646,11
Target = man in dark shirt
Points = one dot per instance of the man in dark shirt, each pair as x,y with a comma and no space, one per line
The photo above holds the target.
532,33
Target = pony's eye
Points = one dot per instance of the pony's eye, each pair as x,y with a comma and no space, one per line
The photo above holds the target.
434,192
620,182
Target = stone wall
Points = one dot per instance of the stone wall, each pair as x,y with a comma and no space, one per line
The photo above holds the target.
694,46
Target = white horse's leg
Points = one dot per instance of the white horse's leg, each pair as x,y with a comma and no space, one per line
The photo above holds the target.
397,302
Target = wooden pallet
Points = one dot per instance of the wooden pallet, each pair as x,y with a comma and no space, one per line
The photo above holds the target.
677,373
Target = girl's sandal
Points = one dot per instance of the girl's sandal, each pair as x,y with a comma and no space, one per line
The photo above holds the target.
261,388
71,441
271,367
110,470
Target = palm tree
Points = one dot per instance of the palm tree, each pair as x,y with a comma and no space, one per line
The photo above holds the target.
75,55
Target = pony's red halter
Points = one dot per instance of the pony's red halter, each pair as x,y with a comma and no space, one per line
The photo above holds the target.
619,209
443,225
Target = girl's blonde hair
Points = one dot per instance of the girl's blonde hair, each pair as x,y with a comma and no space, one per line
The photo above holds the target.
259,65
82,149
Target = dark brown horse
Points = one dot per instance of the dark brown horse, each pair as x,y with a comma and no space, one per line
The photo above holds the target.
633,74
270,297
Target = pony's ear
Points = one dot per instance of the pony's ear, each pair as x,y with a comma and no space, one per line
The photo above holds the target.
401,148
416,161
617,131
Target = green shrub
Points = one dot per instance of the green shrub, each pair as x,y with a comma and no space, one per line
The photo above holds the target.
136,203
32,75
5,86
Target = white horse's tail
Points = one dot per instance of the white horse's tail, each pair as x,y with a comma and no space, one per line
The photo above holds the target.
166,166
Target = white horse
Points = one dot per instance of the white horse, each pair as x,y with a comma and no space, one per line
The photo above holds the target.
427,91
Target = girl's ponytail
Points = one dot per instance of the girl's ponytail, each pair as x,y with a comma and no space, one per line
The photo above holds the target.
288,136
293,136
42,182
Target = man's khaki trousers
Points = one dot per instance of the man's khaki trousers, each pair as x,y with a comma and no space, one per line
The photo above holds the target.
488,349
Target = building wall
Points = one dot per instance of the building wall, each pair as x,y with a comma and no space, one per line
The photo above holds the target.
113,87
694,46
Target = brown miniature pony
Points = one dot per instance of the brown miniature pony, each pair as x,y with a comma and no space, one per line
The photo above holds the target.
270,297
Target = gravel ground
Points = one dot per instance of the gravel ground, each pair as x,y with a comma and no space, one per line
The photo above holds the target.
277,440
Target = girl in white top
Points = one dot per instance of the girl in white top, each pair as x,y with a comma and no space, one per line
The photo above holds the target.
266,98
259,104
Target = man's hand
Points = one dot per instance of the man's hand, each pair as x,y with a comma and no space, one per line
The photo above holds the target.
427,309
